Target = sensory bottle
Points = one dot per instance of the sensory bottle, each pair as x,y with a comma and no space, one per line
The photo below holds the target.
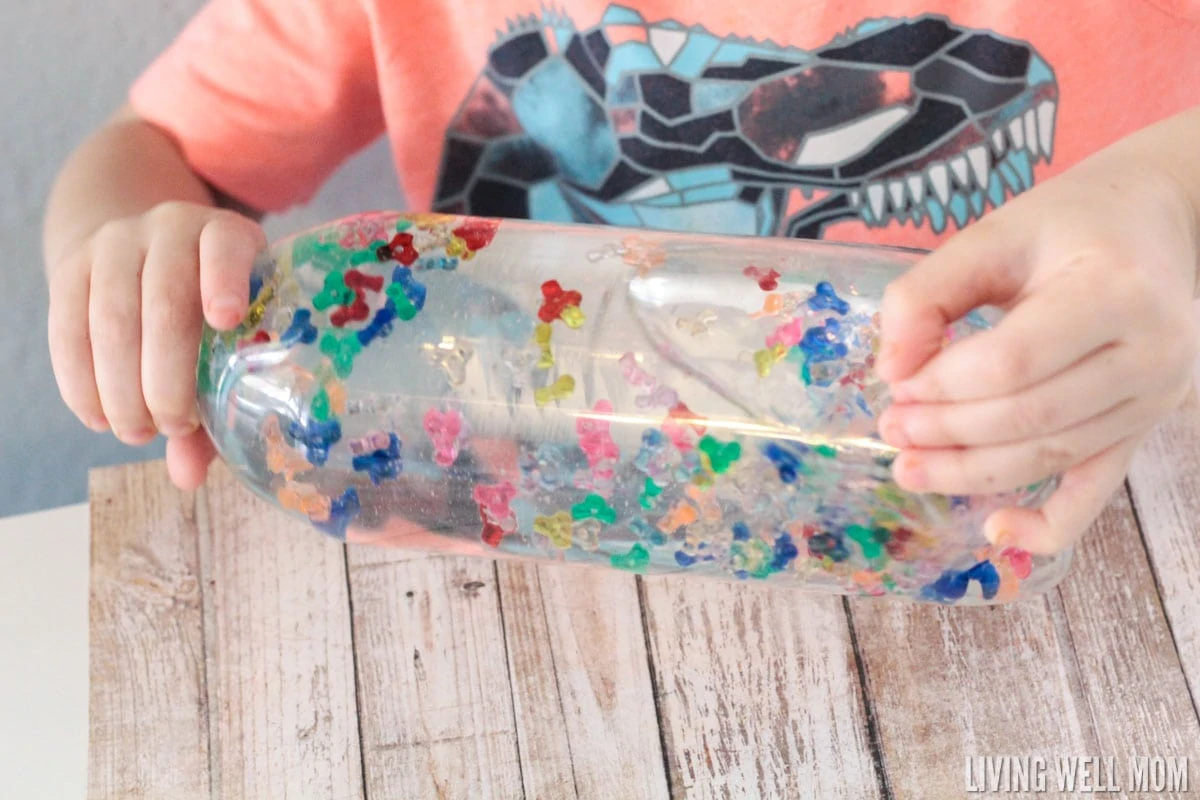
642,401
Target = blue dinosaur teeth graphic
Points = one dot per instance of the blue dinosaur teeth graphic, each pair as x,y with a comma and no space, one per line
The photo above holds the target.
660,125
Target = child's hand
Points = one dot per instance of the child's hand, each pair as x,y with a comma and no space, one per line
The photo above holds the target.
1096,269
126,311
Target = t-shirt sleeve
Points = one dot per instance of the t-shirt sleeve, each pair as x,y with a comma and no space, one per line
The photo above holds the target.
267,97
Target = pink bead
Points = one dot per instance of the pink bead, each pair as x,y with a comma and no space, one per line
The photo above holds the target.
444,429
789,334
494,500
634,374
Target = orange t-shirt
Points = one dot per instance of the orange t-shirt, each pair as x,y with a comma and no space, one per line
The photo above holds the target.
892,122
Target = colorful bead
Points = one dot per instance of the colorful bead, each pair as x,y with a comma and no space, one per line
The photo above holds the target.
341,511
444,430
541,336
555,299
383,463
334,293
594,507
650,490
556,528
721,456
316,438
826,298
301,330
341,351
768,279
636,560
495,499
561,389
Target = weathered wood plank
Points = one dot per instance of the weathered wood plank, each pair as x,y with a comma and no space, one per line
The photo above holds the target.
947,684
582,694
280,655
758,692
436,710
1165,485
1130,673
148,706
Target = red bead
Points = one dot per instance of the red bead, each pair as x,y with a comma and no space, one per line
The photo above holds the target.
477,233
402,249
356,311
358,280
556,300
492,533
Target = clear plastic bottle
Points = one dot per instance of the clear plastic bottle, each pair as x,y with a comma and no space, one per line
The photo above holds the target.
660,403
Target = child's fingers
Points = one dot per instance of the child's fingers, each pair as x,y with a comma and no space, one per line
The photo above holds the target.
1079,499
985,264
188,458
70,342
1095,385
171,328
1044,334
114,323
229,244
999,468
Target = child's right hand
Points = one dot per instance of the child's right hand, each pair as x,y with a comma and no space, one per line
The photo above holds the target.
126,312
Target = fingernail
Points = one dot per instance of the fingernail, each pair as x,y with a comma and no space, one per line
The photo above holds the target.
137,436
912,475
98,424
178,428
225,308
895,435
999,537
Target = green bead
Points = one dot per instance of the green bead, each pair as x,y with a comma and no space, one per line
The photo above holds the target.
405,310
334,293
341,352
320,406
721,456
635,560
594,507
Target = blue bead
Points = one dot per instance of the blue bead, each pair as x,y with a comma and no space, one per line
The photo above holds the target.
385,463
341,511
380,326
316,438
989,579
828,544
787,462
826,297
683,559
950,586
823,342
414,291
785,552
300,329
741,532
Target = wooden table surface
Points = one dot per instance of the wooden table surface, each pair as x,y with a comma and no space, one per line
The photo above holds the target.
237,654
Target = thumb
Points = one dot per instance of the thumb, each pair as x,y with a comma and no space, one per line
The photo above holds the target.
986,264
188,458
229,244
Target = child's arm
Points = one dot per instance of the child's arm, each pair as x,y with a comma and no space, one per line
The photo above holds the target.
1097,270
135,248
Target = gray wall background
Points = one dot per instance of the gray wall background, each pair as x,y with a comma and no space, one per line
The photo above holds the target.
65,66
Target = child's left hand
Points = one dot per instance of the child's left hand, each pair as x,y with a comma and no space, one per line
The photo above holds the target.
1096,270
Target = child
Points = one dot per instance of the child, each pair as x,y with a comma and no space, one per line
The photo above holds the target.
1070,137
